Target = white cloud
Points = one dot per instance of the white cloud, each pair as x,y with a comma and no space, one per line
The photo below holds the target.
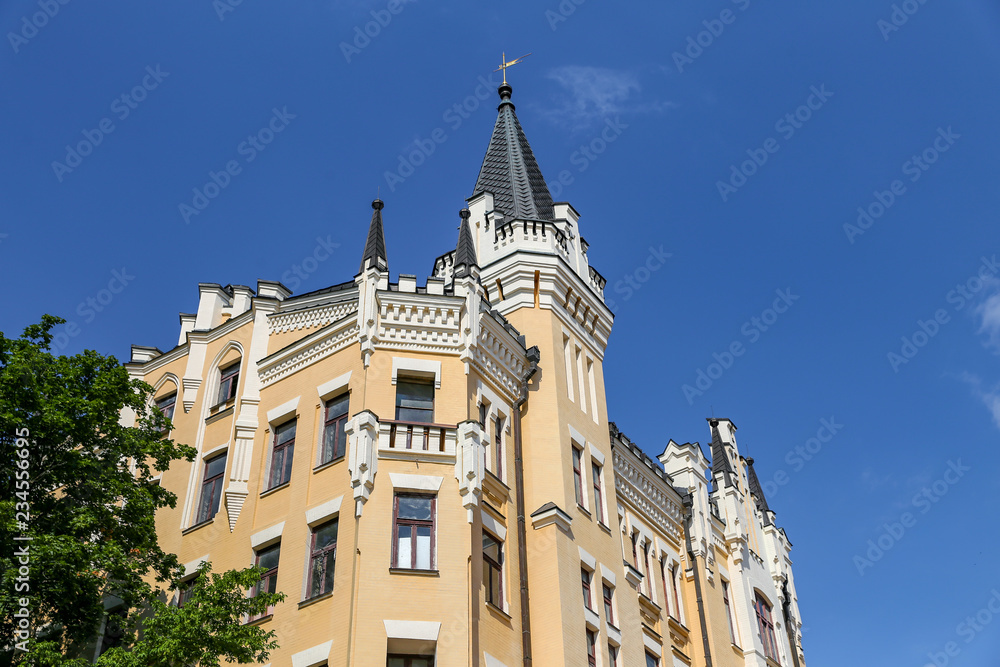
989,397
591,94
989,313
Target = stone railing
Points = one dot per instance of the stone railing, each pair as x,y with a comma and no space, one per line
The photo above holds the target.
417,437
532,235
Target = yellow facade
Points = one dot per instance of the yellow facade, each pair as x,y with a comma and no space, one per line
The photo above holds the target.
511,329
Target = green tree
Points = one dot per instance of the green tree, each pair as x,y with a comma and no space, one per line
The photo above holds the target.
90,502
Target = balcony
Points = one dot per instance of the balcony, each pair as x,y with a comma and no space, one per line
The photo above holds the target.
530,235
416,440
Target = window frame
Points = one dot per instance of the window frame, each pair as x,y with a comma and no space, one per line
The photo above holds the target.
409,658
608,593
496,598
578,476
265,577
675,592
764,622
161,402
591,648
597,470
414,523
320,555
587,587
729,611
338,422
411,380
498,426
614,652
652,660
216,481
287,450
229,374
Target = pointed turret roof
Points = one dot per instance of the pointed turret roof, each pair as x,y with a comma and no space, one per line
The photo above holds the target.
375,246
510,172
720,462
465,252
757,492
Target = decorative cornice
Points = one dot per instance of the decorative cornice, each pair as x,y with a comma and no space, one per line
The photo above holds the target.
640,490
307,318
307,351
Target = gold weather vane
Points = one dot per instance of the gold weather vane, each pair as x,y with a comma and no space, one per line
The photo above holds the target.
504,64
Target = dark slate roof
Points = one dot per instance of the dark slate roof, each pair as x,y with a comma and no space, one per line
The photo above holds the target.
510,172
757,492
375,246
720,462
465,253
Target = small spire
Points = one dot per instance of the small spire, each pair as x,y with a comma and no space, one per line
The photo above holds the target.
465,252
757,492
375,256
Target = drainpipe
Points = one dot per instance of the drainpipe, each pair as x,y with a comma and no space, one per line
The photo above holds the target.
522,551
688,514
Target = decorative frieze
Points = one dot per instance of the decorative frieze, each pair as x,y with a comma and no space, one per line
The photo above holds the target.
639,489
308,318
307,352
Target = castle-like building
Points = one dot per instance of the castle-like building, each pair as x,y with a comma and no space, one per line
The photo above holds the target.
429,473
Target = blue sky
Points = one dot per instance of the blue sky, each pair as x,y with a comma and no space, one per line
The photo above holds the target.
865,95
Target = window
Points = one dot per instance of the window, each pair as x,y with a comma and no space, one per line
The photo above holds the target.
613,655
648,578
281,455
676,595
729,611
585,577
498,446
267,559
184,591
482,416
766,627
415,401
166,406
609,604
569,367
409,661
635,553
322,558
114,629
598,493
652,660
211,488
591,648
230,377
493,570
335,429
578,476
413,532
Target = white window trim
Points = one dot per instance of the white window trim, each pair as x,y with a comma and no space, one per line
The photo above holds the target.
652,646
191,568
311,657
323,512
493,526
490,525
589,562
283,410
416,367
334,386
212,453
417,483
267,537
568,354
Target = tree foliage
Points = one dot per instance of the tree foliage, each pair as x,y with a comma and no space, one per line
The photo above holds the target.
86,509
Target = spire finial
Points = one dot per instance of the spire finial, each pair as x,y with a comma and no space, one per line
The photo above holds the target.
504,64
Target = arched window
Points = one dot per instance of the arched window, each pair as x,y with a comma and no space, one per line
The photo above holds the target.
765,626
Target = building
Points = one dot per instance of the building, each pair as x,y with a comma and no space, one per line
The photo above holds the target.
429,473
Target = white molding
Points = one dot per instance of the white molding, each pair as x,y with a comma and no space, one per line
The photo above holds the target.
307,351
596,454
311,657
309,317
493,526
215,450
592,619
552,516
282,410
608,576
191,567
326,389
420,630
652,645
324,511
588,560
576,436
267,536
415,482
491,661
420,367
